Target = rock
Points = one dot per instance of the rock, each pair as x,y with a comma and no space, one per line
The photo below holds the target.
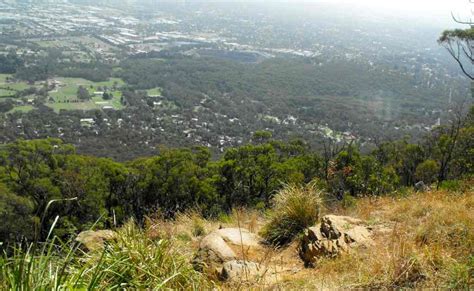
217,247
239,270
333,236
421,187
358,234
94,240
239,237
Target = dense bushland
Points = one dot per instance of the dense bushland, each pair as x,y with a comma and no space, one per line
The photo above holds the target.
43,179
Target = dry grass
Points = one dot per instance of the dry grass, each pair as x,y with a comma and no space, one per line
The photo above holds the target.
431,244
422,240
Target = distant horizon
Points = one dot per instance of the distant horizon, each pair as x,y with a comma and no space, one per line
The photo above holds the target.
425,10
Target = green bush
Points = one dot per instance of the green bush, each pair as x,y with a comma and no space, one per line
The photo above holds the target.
294,209
451,185
427,171
348,201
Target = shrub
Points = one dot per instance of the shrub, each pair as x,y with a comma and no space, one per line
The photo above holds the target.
451,185
427,171
348,201
294,209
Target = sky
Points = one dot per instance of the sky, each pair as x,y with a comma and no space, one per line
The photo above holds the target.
404,5
436,11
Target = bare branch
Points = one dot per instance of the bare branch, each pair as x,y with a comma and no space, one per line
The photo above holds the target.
455,53
456,19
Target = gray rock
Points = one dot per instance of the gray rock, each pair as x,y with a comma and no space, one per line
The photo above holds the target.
333,236
421,187
239,270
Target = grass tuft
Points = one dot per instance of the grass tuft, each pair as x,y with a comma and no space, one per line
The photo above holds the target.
131,261
294,209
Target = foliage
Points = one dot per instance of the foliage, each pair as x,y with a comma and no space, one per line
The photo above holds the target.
83,93
15,215
43,179
458,44
131,261
427,171
10,63
294,209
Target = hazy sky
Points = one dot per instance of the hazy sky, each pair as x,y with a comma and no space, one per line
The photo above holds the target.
407,5
435,12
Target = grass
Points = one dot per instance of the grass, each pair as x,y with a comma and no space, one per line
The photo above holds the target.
154,92
17,86
421,240
131,261
6,93
114,102
8,89
3,78
66,95
22,108
72,106
430,245
295,208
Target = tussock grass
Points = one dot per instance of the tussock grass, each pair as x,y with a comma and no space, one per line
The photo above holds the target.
294,209
131,261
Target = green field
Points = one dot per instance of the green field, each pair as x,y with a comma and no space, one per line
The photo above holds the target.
154,92
8,89
65,96
6,92
16,86
87,105
23,108
3,78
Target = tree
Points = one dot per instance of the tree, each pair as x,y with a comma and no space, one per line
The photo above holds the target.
107,96
459,43
15,215
174,181
83,93
261,136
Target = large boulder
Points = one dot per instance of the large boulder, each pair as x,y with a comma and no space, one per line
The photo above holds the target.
239,237
225,245
94,240
333,236
214,249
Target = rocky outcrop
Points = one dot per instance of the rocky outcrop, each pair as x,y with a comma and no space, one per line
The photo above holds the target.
332,237
222,251
93,240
